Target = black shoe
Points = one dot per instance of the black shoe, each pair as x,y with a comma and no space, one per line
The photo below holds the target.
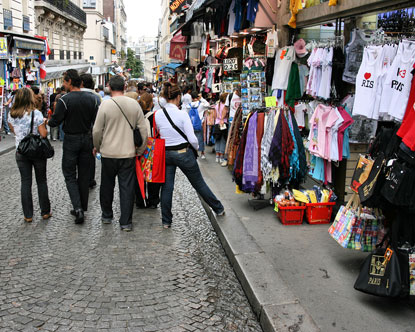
73,213
79,216
152,206
92,184
127,228
106,220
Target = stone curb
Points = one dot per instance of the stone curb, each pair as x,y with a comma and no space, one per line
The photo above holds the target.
8,149
275,306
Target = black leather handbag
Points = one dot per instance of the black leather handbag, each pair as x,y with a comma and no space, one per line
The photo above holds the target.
34,146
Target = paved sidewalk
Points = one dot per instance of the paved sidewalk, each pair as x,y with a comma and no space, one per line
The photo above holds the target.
7,143
296,277
58,276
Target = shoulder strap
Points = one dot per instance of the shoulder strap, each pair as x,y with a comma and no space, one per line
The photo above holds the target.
174,126
31,122
132,128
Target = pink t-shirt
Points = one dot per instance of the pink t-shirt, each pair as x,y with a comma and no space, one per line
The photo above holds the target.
220,113
348,121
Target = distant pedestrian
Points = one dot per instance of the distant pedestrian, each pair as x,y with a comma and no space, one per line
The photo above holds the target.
88,86
77,110
179,154
20,119
152,189
53,96
198,107
221,128
101,91
187,98
113,138
107,93
6,109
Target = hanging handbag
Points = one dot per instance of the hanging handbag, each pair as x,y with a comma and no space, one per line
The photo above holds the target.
153,160
138,140
369,191
181,133
361,173
394,180
380,274
355,240
34,146
370,234
341,228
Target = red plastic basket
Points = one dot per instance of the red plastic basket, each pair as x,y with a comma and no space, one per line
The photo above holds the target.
291,215
319,213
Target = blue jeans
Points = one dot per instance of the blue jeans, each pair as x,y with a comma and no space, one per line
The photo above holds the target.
220,145
5,123
61,133
188,165
199,135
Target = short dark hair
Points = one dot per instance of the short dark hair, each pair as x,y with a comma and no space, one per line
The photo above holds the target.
58,90
194,95
117,83
100,87
35,89
87,81
140,86
189,88
170,91
72,74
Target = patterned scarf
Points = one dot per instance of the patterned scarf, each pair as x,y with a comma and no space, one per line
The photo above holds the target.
250,163
266,165
239,159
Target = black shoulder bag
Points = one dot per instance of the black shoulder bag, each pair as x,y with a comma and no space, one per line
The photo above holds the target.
138,140
34,146
180,132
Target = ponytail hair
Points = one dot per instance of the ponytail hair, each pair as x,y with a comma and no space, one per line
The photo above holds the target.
170,91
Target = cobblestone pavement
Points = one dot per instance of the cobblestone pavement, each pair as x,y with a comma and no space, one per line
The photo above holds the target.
58,276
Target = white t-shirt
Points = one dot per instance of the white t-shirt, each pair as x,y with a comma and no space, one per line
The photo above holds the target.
397,85
334,143
186,100
234,104
282,67
159,102
202,105
325,83
21,125
272,43
299,114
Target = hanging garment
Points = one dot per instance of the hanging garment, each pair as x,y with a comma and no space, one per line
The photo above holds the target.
322,118
271,43
284,59
234,137
266,165
397,85
293,87
299,114
231,23
407,129
269,70
294,157
339,87
354,55
275,151
333,147
295,7
301,152
238,10
252,10
259,134
287,148
326,69
239,159
367,81
303,71
343,130
250,164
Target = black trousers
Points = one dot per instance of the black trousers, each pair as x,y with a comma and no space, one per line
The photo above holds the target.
124,169
76,164
92,169
152,191
26,166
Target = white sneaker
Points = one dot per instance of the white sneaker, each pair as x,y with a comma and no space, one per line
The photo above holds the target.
224,163
217,159
202,157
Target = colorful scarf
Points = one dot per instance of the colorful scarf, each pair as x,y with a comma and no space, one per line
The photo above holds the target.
250,163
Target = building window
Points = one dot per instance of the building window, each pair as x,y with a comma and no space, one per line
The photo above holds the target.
90,4
52,54
80,55
26,23
62,55
74,55
68,55
7,19
91,57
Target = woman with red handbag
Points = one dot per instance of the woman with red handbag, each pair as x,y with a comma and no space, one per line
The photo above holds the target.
176,129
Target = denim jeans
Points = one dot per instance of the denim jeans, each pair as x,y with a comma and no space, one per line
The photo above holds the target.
199,135
124,169
76,163
26,166
61,133
5,116
220,145
188,165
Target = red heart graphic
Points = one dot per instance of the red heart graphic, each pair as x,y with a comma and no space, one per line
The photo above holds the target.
368,75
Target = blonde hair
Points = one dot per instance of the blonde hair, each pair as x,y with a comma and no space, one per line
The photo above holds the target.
24,101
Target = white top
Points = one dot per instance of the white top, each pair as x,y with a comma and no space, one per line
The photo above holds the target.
282,67
159,102
186,100
182,120
234,104
272,43
325,83
21,125
334,143
299,114
201,108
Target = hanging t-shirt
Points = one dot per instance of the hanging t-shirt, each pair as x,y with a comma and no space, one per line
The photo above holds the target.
284,59
304,72
398,82
272,43
407,129
233,105
334,142
367,81
326,69
343,133
299,114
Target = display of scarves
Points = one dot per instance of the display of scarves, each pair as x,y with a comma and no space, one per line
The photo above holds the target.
301,151
275,149
287,148
250,163
294,157
233,136
239,159
259,135
266,165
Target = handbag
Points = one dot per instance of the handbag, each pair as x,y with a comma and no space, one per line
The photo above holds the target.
153,160
394,180
341,228
369,191
361,172
138,140
355,240
34,146
380,274
180,132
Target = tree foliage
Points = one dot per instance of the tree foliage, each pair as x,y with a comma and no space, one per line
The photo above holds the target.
134,64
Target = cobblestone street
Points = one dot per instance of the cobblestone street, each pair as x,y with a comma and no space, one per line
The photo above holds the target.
58,276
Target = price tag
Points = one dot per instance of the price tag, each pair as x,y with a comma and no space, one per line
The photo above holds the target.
271,101
230,64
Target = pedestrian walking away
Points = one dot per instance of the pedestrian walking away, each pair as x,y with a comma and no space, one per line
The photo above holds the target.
114,140
179,154
77,111
197,111
20,123
88,85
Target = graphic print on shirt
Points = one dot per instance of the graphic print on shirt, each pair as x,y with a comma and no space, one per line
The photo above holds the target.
367,83
395,83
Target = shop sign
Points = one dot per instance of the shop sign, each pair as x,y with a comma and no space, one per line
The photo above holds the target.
27,45
113,51
176,4
3,48
230,64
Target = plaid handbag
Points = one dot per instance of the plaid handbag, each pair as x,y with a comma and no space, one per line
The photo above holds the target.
370,235
341,228
356,233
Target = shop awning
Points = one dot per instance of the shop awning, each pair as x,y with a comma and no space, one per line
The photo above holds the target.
171,68
29,44
177,44
57,71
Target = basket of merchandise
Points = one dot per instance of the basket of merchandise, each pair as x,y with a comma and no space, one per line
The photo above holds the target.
289,210
319,204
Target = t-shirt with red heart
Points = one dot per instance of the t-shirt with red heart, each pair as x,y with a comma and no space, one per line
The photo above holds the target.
407,129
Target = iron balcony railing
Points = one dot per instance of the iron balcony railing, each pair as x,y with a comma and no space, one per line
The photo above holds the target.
68,7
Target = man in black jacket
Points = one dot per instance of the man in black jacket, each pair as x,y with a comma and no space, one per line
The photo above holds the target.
77,110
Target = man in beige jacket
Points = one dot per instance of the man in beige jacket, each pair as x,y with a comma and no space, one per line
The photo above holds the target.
114,139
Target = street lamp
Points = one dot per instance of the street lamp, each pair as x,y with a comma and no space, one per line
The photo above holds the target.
102,22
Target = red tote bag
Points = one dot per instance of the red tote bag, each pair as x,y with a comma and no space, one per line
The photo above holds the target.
153,160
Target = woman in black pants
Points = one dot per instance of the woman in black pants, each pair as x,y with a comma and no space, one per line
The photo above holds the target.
20,121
